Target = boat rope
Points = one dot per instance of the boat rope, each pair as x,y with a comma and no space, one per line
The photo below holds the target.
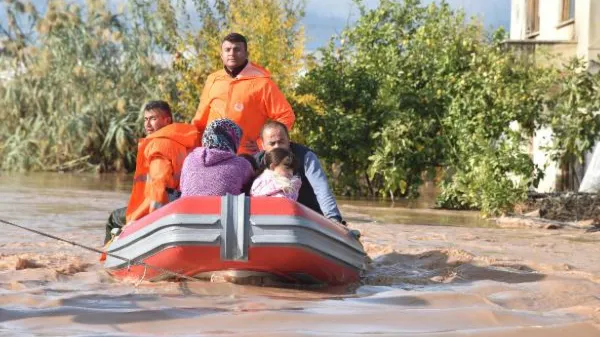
137,284
129,261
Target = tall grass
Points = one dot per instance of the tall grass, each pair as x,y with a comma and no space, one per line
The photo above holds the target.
78,75
76,82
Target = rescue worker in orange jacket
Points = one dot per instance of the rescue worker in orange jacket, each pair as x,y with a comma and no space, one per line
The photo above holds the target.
158,165
244,93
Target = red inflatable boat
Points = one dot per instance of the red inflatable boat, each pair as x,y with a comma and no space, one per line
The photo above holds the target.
238,236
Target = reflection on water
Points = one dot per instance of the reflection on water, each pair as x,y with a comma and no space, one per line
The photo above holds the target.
407,211
401,215
427,198
425,279
79,181
418,211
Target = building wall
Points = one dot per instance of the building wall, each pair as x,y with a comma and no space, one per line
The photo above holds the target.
517,25
551,27
593,31
542,138
584,29
579,37
582,20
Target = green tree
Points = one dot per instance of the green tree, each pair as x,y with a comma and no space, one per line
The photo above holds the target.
441,95
573,113
80,75
335,117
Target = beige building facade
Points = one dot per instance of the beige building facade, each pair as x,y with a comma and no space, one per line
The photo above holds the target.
567,28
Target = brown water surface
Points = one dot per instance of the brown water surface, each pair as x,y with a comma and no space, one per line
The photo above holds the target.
434,273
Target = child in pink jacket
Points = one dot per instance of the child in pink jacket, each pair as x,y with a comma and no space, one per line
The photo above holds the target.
277,179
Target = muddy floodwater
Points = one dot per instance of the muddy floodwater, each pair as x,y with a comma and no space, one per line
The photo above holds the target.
434,273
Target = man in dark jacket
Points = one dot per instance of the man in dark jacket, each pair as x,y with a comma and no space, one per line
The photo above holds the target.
315,192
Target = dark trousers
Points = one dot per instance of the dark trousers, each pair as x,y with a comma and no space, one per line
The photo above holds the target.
117,217
115,220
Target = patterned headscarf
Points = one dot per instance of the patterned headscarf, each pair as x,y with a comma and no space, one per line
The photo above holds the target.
222,134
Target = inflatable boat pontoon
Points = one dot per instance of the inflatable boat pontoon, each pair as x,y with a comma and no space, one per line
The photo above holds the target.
238,236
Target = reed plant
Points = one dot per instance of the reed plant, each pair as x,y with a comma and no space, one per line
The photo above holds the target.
74,80
75,76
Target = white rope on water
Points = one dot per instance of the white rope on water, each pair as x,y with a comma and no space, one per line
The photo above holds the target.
140,280
129,261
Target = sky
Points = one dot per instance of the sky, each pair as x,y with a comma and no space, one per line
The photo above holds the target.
325,18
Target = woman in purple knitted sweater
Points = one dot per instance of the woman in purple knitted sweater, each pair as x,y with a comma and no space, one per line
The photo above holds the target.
214,168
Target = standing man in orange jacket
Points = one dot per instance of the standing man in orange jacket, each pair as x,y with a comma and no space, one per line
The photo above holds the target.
243,92
158,164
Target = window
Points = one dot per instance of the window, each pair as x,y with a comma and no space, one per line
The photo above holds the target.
568,10
533,16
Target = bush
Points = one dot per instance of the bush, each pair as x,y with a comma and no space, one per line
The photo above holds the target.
428,91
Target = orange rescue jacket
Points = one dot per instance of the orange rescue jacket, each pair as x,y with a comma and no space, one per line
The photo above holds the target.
249,99
158,167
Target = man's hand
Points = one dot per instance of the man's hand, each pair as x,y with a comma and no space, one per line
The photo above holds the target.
355,233
251,146
338,220
154,205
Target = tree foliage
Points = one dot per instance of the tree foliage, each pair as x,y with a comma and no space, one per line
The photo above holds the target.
275,41
76,80
432,92
77,76
406,93
573,113
334,116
